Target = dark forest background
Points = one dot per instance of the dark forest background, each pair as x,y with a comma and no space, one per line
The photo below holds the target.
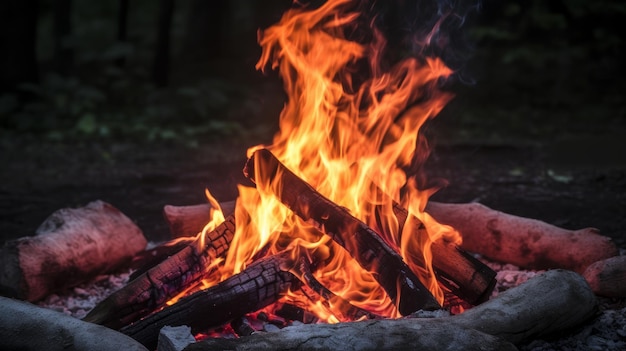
183,70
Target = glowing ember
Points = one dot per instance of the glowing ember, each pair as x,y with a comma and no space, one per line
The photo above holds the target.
351,143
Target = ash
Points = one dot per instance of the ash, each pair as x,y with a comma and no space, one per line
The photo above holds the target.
77,302
607,331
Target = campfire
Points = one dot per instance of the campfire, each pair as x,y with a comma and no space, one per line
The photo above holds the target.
335,229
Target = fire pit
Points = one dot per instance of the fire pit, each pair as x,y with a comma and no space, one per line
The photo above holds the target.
337,228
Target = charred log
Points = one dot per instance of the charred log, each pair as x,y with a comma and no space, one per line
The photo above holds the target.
460,272
522,241
365,245
152,289
71,247
464,275
260,284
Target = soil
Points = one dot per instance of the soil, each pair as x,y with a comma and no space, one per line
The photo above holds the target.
570,180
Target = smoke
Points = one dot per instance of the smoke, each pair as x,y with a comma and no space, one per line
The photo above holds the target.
418,28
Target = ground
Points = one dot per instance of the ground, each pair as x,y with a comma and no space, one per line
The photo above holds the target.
573,178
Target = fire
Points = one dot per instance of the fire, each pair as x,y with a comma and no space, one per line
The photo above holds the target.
352,143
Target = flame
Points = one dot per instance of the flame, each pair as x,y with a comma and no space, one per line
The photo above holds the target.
352,143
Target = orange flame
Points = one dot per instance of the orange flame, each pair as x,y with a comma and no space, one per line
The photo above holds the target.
351,143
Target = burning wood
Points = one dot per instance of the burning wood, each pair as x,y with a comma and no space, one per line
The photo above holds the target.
71,246
260,284
522,241
153,288
365,245
464,275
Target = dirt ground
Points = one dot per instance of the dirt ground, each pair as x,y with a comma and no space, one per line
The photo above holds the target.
571,182
574,179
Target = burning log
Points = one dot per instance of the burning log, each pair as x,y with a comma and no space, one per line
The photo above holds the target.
467,277
159,284
260,284
70,247
512,317
608,277
464,275
189,220
365,245
24,326
521,241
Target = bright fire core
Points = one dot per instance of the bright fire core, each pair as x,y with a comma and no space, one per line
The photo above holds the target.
351,142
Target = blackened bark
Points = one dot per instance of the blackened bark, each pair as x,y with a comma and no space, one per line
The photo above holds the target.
159,284
260,284
361,242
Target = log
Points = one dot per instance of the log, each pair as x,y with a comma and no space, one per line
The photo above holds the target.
460,272
360,241
376,335
525,242
260,284
155,287
70,247
190,220
24,326
511,318
551,302
608,277
464,275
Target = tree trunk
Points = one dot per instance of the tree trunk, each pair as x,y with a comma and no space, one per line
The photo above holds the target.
18,39
521,241
161,66
361,242
122,26
260,284
63,45
71,247
155,287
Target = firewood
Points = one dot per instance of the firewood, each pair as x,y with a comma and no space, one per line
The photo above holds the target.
464,275
24,326
189,220
608,277
522,241
70,247
549,303
260,284
152,289
377,335
359,240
